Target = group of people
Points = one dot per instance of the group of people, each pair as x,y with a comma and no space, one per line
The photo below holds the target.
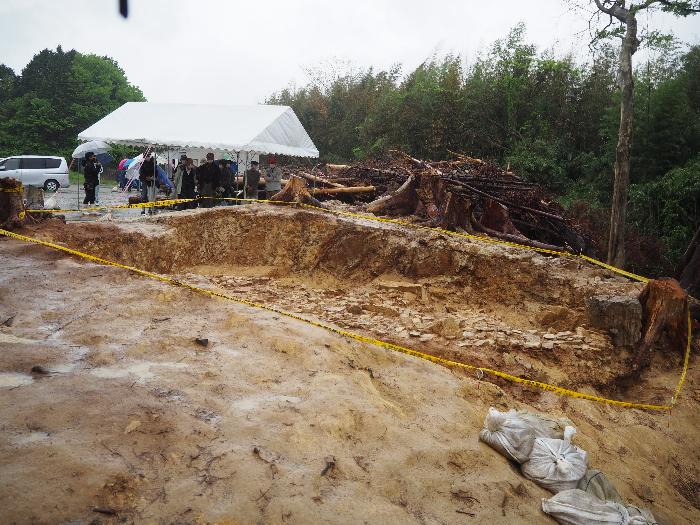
211,180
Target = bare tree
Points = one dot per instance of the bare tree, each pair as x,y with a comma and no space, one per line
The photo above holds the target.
625,13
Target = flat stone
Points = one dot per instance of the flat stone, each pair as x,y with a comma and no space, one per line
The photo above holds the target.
548,345
619,315
549,336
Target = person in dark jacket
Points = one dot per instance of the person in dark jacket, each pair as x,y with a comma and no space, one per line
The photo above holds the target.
91,173
251,179
208,175
185,183
147,177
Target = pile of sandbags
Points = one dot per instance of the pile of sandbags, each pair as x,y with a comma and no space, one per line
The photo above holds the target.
542,446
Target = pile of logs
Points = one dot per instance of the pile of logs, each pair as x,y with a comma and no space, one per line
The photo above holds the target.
464,194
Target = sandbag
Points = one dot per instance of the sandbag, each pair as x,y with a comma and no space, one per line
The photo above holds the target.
513,433
556,464
577,507
640,516
508,434
597,484
544,425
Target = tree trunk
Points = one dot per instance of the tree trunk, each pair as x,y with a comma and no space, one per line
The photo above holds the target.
618,216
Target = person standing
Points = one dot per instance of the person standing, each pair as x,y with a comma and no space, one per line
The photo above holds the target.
208,176
92,174
251,181
273,178
185,183
147,178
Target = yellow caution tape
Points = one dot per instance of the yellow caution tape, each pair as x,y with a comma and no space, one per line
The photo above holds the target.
376,342
12,190
152,204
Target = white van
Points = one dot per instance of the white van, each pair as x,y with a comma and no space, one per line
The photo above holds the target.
50,173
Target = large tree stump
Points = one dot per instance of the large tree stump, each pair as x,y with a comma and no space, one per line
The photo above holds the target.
296,191
665,309
11,205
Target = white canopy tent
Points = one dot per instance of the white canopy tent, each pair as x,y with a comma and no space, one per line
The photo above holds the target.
196,129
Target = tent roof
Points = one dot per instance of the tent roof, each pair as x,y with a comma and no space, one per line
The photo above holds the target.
261,128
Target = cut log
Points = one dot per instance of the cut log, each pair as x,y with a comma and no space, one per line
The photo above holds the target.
402,202
12,214
343,189
321,180
665,309
296,191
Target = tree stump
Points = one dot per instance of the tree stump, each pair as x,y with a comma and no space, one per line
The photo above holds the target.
296,191
495,217
11,206
664,308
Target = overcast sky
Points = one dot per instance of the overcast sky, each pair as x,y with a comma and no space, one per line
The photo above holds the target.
238,52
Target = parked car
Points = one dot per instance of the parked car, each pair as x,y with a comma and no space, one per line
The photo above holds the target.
37,170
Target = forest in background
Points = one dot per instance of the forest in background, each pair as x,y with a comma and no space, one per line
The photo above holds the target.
552,119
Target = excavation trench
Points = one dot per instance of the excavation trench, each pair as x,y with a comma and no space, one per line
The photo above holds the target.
485,304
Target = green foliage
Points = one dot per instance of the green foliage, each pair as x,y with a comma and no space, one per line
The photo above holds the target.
555,121
58,95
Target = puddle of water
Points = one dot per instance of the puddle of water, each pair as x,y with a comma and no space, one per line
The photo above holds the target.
13,379
141,370
251,403
31,438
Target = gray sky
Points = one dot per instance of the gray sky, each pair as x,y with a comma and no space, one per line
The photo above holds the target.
238,52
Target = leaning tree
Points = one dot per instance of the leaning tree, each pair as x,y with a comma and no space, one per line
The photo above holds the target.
621,16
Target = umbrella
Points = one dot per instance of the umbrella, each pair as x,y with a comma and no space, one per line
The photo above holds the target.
96,146
122,164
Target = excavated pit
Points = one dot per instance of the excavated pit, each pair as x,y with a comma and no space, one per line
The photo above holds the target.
477,302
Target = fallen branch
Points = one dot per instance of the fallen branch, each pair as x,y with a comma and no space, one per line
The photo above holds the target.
343,189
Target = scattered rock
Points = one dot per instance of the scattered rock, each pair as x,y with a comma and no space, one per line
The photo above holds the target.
548,345
10,320
414,334
446,327
354,309
201,341
381,310
404,287
549,336
620,315
330,465
132,426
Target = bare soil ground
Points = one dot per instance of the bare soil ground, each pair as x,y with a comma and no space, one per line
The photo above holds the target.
134,417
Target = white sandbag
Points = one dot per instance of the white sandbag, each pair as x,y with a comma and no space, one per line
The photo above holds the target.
576,507
556,464
544,425
508,434
640,516
597,484
513,433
